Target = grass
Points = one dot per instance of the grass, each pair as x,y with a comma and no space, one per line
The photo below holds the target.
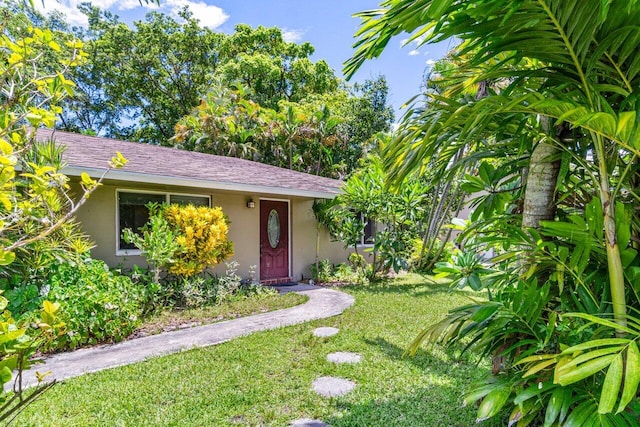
177,319
265,378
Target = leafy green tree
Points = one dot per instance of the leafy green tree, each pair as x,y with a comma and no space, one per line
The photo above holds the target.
226,123
273,69
395,214
305,137
364,113
140,83
149,75
556,100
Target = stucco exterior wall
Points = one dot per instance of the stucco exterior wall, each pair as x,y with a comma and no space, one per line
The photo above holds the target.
305,239
98,219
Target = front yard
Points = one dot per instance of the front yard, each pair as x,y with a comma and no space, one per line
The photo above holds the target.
265,378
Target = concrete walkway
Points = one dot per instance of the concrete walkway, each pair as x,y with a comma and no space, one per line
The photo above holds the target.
322,303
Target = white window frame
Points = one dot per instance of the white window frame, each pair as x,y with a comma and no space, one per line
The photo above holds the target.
167,198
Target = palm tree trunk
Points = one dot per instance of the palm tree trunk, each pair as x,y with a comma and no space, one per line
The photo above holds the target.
541,180
539,199
455,211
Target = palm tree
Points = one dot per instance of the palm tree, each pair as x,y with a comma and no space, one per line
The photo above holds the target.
554,67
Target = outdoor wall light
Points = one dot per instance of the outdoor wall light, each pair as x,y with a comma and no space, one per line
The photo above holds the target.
251,204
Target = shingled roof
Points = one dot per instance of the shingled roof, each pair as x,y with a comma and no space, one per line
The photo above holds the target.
170,166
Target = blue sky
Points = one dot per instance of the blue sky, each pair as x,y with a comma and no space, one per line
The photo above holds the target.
326,24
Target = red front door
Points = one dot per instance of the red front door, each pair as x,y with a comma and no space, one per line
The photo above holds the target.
274,239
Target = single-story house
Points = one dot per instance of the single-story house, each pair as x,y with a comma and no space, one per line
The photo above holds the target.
272,225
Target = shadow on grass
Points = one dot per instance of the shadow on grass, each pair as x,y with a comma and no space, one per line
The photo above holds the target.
439,405
437,402
424,358
395,352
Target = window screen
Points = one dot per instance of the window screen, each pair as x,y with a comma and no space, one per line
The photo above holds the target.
133,213
369,230
189,200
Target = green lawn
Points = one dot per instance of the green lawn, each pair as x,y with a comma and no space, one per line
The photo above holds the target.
265,378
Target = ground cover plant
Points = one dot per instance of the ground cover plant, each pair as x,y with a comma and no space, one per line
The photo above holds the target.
356,271
105,306
265,378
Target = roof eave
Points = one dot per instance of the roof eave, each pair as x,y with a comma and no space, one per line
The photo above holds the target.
143,178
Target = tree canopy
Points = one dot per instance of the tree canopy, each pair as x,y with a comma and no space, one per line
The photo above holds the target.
152,82
140,81
323,135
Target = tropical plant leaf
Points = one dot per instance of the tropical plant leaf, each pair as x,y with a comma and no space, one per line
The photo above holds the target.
569,376
581,413
611,386
601,321
631,376
539,367
480,390
532,391
558,403
493,403
589,345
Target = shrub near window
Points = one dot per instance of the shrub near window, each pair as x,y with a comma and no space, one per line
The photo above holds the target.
156,239
201,235
99,306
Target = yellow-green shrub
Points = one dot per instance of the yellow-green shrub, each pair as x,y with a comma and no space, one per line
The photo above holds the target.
202,237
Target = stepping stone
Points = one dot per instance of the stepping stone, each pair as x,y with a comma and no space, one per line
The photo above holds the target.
325,332
344,357
308,423
332,387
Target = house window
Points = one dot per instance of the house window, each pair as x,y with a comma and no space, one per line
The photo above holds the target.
369,230
134,214
182,199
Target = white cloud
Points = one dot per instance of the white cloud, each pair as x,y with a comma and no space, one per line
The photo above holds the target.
209,15
118,5
131,4
292,36
415,44
68,8
430,62
419,40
